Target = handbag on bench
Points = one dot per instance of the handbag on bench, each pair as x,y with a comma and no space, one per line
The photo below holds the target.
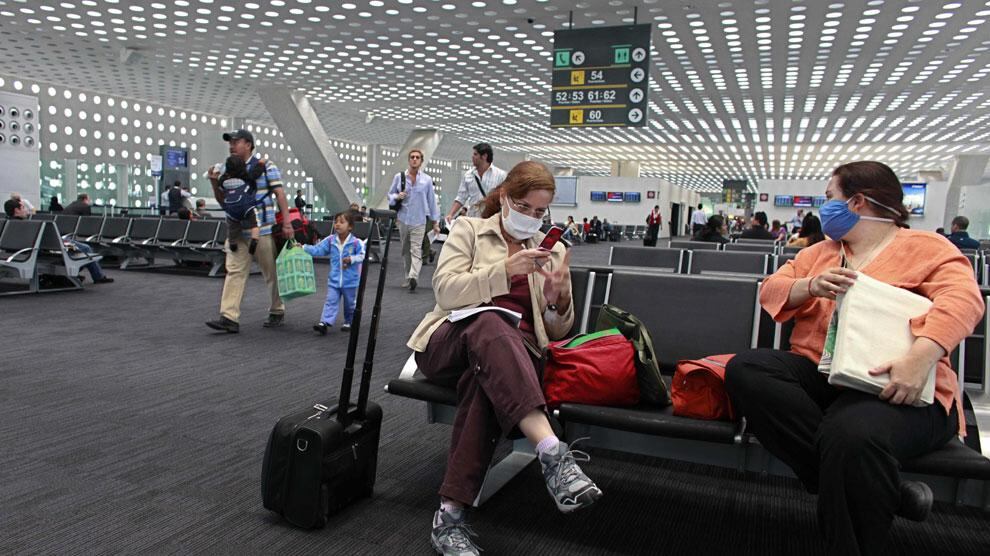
593,369
652,389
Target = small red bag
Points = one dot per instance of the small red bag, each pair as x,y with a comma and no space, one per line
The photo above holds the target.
593,369
698,389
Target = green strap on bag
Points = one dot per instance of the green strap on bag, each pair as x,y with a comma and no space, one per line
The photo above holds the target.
296,275
652,388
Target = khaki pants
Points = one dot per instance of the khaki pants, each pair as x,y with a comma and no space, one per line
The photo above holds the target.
238,266
411,239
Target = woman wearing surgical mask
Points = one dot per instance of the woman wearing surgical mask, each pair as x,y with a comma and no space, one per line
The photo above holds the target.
843,444
495,364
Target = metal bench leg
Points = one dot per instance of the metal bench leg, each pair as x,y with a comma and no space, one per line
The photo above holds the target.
505,470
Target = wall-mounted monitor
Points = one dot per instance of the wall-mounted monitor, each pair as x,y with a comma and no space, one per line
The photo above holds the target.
631,196
598,196
175,158
818,200
802,200
615,196
783,201
914,197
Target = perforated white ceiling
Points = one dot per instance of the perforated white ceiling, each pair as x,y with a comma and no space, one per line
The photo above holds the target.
757,89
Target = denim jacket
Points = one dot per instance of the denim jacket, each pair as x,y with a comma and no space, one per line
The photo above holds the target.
340,277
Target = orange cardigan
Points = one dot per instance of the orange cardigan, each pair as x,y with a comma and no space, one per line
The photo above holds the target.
922,262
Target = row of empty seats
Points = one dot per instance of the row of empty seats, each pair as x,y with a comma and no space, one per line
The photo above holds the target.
958,472
684,260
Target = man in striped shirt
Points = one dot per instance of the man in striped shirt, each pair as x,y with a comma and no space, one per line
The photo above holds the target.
238,262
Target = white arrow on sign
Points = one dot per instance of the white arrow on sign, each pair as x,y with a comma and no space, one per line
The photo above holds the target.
637,75
639,54
577,58
635,115
636,96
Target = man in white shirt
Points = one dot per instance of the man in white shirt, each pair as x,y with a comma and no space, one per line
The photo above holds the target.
698,220
477,182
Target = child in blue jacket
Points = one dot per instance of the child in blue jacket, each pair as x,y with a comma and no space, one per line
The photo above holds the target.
346,255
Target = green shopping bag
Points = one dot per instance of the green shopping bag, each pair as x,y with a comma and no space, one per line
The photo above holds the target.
296,275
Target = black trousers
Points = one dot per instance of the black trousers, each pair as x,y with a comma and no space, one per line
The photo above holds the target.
844,445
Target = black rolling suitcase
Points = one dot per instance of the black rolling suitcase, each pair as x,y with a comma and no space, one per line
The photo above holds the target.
322,458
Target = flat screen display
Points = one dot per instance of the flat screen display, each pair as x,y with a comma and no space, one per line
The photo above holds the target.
914,197
615,196
818,200
175,158
783,201
598,196
802,200
631,196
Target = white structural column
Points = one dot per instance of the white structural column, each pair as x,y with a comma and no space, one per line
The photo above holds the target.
625,169
426,140
968,170
299,124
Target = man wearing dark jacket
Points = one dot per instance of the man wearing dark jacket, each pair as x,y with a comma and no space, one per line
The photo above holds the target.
959,236
82,206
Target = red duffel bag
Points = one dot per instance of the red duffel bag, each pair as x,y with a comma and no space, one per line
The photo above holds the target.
593,369
698,389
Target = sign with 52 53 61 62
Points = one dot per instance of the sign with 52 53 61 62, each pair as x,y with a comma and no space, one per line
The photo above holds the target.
601,77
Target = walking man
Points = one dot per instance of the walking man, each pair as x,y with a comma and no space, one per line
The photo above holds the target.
238,262
477,182
419,203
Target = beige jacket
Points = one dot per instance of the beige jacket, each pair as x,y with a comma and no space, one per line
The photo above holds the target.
471,271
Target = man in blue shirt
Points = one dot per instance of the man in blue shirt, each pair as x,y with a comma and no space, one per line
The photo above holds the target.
419,202
959,236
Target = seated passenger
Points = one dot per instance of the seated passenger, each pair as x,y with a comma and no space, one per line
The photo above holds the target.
15,209
809,233
758,228
712,231
496,365
778,231
959,236
571,230
844,444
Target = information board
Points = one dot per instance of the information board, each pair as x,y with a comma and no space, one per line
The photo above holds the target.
601,77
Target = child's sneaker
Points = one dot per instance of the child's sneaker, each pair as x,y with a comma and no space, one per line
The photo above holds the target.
321,327
570,488
345,327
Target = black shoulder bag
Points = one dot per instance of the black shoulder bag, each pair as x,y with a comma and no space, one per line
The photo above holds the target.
397,204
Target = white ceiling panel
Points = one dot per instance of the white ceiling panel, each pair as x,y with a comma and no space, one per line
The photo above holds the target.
764,89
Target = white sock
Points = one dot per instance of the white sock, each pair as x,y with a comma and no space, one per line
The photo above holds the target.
449,507
547,444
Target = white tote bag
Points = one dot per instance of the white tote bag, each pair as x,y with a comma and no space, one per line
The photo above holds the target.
873,328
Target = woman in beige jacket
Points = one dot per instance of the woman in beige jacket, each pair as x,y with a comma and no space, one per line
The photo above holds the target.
495,363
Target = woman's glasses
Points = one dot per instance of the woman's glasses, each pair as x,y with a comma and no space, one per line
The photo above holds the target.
528,210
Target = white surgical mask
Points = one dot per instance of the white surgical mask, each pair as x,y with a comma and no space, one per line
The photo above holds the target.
519,225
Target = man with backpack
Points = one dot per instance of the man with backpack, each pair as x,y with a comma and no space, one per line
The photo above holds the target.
176,197
477,182
412,196
268,193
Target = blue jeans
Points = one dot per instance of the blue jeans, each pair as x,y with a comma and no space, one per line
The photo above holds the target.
95,271
333,299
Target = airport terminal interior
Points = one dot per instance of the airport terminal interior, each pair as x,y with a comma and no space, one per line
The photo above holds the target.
138,392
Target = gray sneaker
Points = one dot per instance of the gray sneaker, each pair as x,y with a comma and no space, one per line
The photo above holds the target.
570,488
451,535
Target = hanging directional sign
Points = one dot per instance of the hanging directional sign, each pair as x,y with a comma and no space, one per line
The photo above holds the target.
601,77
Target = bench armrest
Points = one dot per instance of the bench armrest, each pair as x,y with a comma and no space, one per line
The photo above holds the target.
11,258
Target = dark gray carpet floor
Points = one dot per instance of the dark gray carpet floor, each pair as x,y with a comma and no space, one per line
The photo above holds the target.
128,427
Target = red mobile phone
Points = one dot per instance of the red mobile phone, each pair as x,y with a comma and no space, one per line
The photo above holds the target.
553,236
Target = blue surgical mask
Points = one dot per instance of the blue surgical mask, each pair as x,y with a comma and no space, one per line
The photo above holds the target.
838,220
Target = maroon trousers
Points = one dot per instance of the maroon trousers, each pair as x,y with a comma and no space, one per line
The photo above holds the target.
497,385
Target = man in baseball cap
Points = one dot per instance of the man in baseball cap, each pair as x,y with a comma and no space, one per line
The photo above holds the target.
239,134
270,197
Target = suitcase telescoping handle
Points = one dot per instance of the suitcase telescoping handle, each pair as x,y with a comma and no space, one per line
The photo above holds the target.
344,401
376,311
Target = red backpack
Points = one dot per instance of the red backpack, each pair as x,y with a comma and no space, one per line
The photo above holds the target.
304,232
698,389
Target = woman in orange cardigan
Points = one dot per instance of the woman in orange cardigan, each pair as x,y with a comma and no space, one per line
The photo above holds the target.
844,444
